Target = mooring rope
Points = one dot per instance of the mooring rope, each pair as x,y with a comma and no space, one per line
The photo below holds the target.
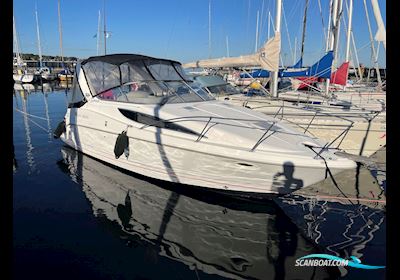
44,129
30,114
35,123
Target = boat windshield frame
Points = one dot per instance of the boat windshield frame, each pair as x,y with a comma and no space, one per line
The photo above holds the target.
141,79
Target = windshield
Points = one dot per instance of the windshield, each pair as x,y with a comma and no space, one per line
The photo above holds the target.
143,81
156,92
226,89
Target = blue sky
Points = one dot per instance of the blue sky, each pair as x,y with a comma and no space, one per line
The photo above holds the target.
178,29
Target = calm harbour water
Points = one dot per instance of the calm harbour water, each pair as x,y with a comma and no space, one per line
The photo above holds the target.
78,218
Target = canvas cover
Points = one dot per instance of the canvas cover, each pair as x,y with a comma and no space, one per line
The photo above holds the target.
107,72
266,57
299,63
321,69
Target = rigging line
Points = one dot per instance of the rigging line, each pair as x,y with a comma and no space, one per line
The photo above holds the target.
322,19
287,31
373,53
363,47
30,114
248,19
44,129
304,29
261,23
330,174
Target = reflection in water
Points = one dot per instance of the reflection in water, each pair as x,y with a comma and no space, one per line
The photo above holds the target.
22,94
29,150
352,233
209,232
15,164
46,106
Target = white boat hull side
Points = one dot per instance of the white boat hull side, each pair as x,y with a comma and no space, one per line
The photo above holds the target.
49,77
198,164
24,78
63,77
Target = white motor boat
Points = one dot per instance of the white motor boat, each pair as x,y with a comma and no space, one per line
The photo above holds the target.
144,115
24,77
65,76
46,74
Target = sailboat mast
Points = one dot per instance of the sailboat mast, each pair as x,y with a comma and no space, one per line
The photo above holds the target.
274,81
227,46
17,52
380,36
256,47
261,22
331,35
209,29
328,34
105,32
38,37
337,31
60,32
295,50
333,25
98,33
350,15
304,30
269,23
374,56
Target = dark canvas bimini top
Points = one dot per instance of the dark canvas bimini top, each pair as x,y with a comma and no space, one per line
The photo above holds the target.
118,59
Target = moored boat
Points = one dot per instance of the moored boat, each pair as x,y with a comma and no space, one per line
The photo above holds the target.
342,123
144,115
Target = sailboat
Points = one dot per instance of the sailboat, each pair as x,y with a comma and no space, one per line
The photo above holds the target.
21,75
44,72
366,96
65,75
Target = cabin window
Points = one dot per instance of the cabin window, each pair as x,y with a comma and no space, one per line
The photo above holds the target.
101,76
143,82
154,121
226,89
75,95
134,71
162,70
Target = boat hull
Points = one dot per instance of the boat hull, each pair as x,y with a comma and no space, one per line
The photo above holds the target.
25,78
49,77
63,77
190,162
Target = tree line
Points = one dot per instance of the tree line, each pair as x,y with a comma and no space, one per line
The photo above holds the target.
31,56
